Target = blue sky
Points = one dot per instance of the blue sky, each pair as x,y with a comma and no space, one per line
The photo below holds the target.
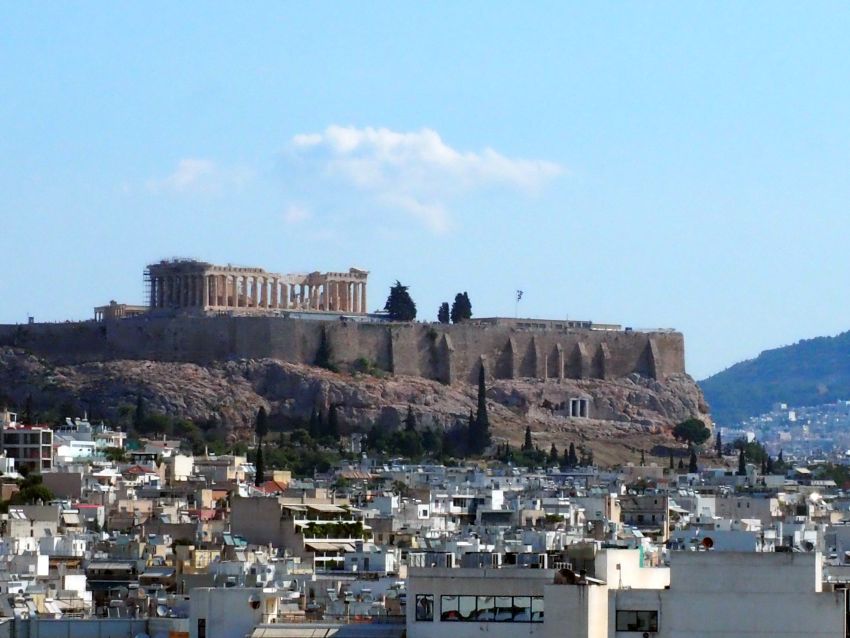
657,165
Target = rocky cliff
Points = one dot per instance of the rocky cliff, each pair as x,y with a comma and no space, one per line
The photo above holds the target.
627,414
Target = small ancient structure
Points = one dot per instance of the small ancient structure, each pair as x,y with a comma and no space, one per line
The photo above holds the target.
196,286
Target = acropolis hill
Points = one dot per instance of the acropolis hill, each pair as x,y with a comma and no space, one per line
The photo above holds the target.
199,314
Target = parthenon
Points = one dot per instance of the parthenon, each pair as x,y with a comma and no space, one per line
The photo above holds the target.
196,286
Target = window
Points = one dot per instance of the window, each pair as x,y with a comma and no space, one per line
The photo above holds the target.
637,620
424,607
490,608
448,608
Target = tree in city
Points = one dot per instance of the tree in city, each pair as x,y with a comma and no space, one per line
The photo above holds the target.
140,415
29,416
261,423
742,463
528,444
642,458
572,457
692,463
479,434
672,463
461,308
718,445
693,431
259,466
332,429
400,306
681,465
410,420
443,315
261,428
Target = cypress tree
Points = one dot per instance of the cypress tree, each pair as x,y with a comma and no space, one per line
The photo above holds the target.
259,476
528,445
742,463
29,418
572,456
261,423
672,464
642,458
324,355
480,429
692,463
461,308
718,445
139,416
314,426
553,454
410,420
681,465
443,312
333,422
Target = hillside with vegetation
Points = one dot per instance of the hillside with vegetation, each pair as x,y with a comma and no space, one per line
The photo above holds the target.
810,372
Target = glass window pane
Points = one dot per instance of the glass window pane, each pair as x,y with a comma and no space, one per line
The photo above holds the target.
424,607
448,608
537,609
522,608
486,608
504,611
466,607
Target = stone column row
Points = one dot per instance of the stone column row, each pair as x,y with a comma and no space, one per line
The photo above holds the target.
255,291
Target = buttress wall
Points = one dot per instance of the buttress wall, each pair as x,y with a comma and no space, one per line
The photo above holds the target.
450,354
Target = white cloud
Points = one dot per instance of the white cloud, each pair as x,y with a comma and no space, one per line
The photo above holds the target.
197,175
296,215
416,172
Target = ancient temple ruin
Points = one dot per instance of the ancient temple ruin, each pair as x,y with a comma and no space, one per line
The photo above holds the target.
196,286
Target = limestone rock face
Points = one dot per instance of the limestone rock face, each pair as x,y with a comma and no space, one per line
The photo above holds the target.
630,413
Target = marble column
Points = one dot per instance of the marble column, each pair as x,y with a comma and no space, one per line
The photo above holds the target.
363,309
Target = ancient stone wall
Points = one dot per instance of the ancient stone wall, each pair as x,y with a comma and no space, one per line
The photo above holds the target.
447,353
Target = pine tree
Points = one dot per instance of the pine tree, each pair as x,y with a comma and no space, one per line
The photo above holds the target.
692,463
261,423
410,420
528,444
553,454
742,463
443,315
461,308
718,445
400,306
259,466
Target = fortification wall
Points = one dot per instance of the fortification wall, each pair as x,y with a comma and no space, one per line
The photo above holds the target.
447,353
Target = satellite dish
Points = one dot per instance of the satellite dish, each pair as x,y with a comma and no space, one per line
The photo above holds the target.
161,611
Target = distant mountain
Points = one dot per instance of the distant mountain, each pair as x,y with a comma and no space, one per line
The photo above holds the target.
810,372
